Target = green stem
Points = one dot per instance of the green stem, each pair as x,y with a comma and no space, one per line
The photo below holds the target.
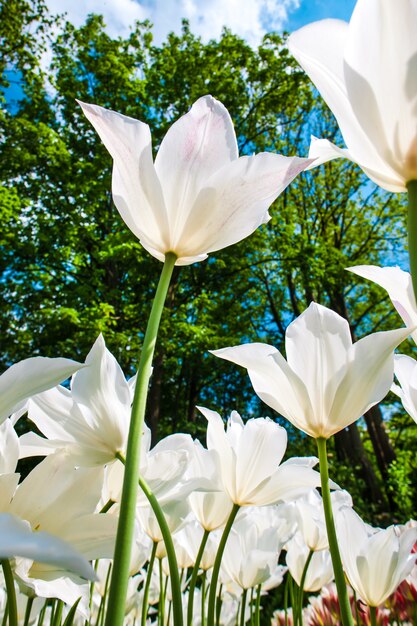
161,607
5,614
107,506
194,577
293,600
345,608
145,601
100,613
176,593
219,602
302,582
29,604
412,231
372,612
170,550
42,614
203,599
217,563
58,613
252,607
287,582
355,602
11,592
258,606
125,529
243,607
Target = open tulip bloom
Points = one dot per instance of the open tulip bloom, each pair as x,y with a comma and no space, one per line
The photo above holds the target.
198,196
365,71
327,382
375,560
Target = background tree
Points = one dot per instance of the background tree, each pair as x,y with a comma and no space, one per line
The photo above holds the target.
69,267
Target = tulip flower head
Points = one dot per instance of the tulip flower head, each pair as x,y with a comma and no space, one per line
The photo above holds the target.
198,196
327,382
250,455
365,71
376,561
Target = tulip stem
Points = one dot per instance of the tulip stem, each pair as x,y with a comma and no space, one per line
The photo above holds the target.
219,603
287,582
194,577
302,582
412,231
169,547
203,598
11,593
258,606
243,607
29,604
145,600
161,605
372,613
345,608
125,529
217,563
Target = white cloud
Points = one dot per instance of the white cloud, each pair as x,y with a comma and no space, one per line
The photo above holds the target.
248,18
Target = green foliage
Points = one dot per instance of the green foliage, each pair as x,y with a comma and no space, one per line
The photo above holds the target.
70,268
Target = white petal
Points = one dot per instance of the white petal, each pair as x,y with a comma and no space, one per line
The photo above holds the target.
368,378
136,189
381,75
51,412
320,48
261,448
103,388
405,369
17,539
399,287
9,448
195,146
323,150
273,381
52,492
235,201
26,378
317,343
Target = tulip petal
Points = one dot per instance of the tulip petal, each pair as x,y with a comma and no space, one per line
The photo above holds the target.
368,377
53,487
323,150
319,48
273,380
399,286
378,96
235,200
137,191
195,146
261,447
405,369
316,343
29,377
17,539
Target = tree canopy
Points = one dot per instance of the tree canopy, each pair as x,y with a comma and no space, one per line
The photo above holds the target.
70,268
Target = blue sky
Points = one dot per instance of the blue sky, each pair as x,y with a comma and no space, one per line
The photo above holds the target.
312,10
248,18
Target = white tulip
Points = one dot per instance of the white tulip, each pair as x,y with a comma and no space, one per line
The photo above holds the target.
326,383
366,72
198,196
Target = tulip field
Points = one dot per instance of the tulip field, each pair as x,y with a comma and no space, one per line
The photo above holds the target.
132,491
